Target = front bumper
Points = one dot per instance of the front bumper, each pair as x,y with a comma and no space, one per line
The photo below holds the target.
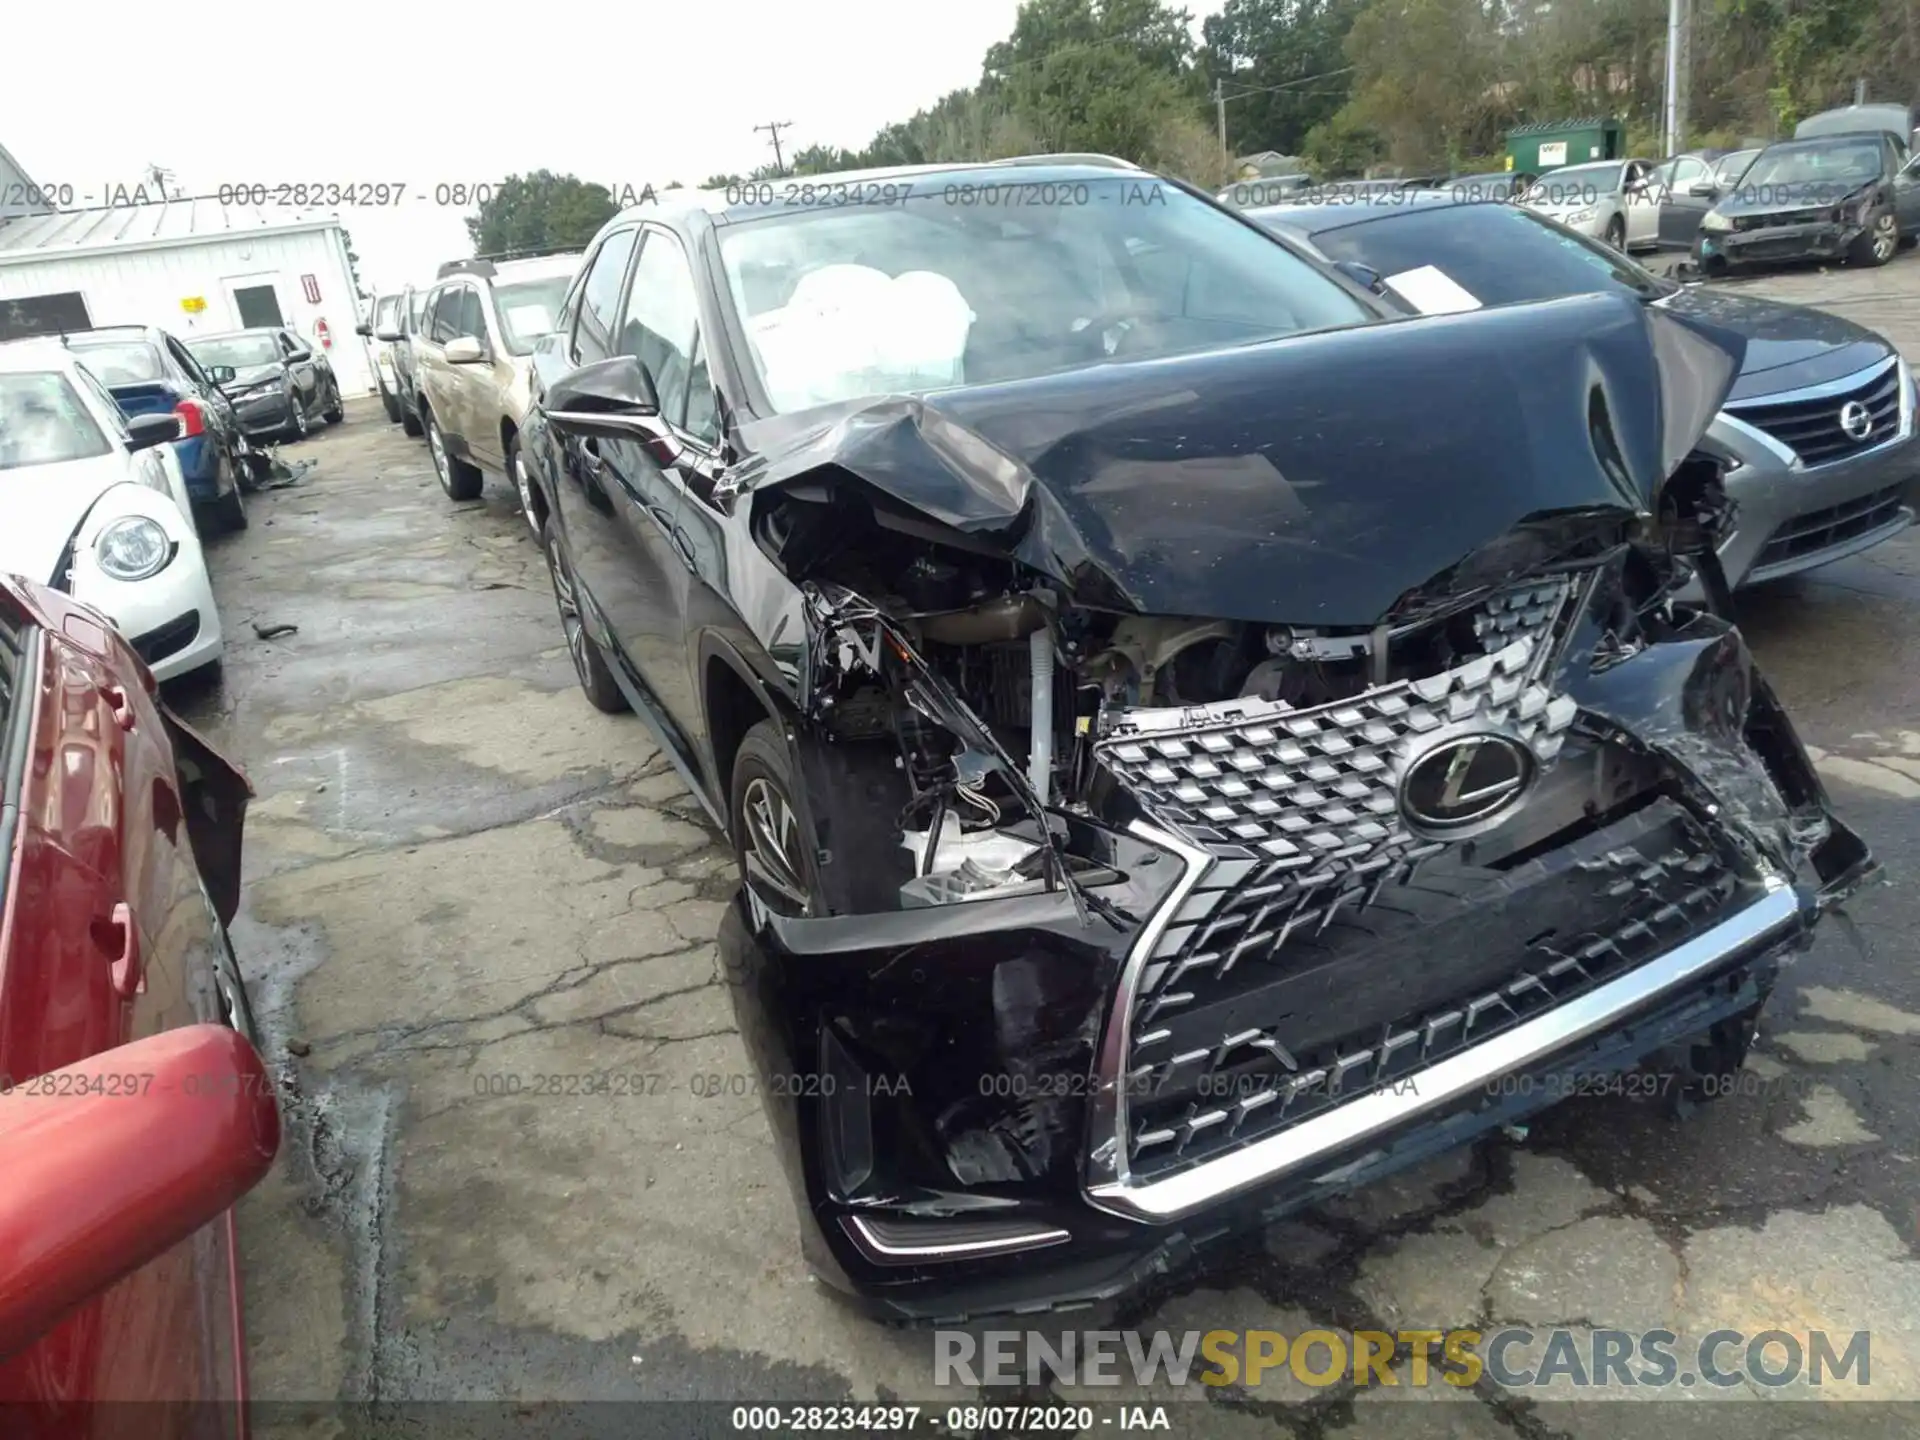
950,1088
170,619
1791,517
1774,245
267,414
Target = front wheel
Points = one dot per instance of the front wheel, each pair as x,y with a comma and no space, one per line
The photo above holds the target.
460,480
230,510
409,418
1617,234
299,424
1877,243
337,411
589,665
523,485
769,839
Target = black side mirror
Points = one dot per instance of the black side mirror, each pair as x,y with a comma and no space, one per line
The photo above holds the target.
146,431
611,399
299,357
1364,276
363,330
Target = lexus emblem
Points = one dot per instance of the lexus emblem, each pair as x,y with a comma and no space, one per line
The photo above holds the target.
1856,420
1465,784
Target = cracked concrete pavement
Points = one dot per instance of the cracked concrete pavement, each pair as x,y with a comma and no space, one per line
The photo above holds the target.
466,887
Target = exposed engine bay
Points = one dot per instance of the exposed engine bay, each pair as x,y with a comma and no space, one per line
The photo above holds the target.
999,697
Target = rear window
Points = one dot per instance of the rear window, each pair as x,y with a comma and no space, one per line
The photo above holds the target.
122,362
43,421
1498,254
529,309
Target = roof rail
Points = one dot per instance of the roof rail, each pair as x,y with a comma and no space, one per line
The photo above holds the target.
1109,162
464,267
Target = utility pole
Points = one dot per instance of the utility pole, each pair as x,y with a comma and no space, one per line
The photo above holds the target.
1220,114
773,129
1679,69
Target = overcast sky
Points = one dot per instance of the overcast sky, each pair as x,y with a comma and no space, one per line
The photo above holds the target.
342,91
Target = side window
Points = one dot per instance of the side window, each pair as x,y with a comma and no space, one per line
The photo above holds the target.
593,335
471,321
186,362
103,397
661,321
442,312
1689,172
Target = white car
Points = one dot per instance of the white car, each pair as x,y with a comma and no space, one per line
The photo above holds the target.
94,505
1610,200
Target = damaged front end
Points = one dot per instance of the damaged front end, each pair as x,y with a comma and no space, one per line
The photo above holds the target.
1136,927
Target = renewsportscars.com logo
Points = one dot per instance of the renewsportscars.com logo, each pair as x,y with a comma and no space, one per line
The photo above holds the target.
1516,1358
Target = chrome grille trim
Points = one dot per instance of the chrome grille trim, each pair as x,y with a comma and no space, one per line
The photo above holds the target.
1774,418
1768,919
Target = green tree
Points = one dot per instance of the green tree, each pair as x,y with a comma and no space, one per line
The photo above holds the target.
1283,65
721,182
1426,76
540,211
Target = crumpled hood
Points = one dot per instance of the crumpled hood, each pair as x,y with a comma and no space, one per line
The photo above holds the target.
1314,480
1780,198
252,375
42,505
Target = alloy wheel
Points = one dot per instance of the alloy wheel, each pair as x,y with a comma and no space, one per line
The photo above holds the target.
1886,237
436,447
772,843
567,599
523,482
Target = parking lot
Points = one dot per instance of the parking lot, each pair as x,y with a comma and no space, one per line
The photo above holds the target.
462,877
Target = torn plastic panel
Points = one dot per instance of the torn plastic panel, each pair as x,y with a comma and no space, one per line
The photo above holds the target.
1275,482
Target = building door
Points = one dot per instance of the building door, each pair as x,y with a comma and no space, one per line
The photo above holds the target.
258,306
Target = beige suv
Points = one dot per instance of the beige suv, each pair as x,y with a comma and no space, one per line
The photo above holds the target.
478,324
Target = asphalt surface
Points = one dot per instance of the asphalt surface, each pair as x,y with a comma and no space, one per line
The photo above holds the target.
461,879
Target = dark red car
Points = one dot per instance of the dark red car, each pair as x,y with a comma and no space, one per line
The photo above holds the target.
133,1109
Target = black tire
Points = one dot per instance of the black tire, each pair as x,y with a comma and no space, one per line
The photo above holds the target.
589,665
523,487
229,512
301,423
460,480
1878,243
337,411
1617,234
409,420
390,403
761,806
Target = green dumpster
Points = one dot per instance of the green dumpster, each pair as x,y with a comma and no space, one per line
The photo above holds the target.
1545,145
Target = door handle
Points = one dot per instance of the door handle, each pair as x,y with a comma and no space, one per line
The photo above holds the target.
684,545
120,937
116,696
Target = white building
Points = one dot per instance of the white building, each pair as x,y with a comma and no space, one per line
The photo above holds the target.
189,266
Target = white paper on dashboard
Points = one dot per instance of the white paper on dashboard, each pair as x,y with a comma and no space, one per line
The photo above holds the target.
1432,291
529,320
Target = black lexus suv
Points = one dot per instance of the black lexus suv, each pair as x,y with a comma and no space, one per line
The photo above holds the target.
1177,767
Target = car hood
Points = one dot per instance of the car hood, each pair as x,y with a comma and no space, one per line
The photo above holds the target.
1782,199
253,375
1317,480
1788,346
42,505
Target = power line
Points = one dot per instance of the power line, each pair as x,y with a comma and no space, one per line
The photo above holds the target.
1289,84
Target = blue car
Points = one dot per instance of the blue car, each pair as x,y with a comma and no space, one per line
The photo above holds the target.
150,373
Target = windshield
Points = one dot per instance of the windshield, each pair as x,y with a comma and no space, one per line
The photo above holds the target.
1496,254
527,310
1577,184
975,282
1731,167
242,352
44,422
121,362
1843,164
